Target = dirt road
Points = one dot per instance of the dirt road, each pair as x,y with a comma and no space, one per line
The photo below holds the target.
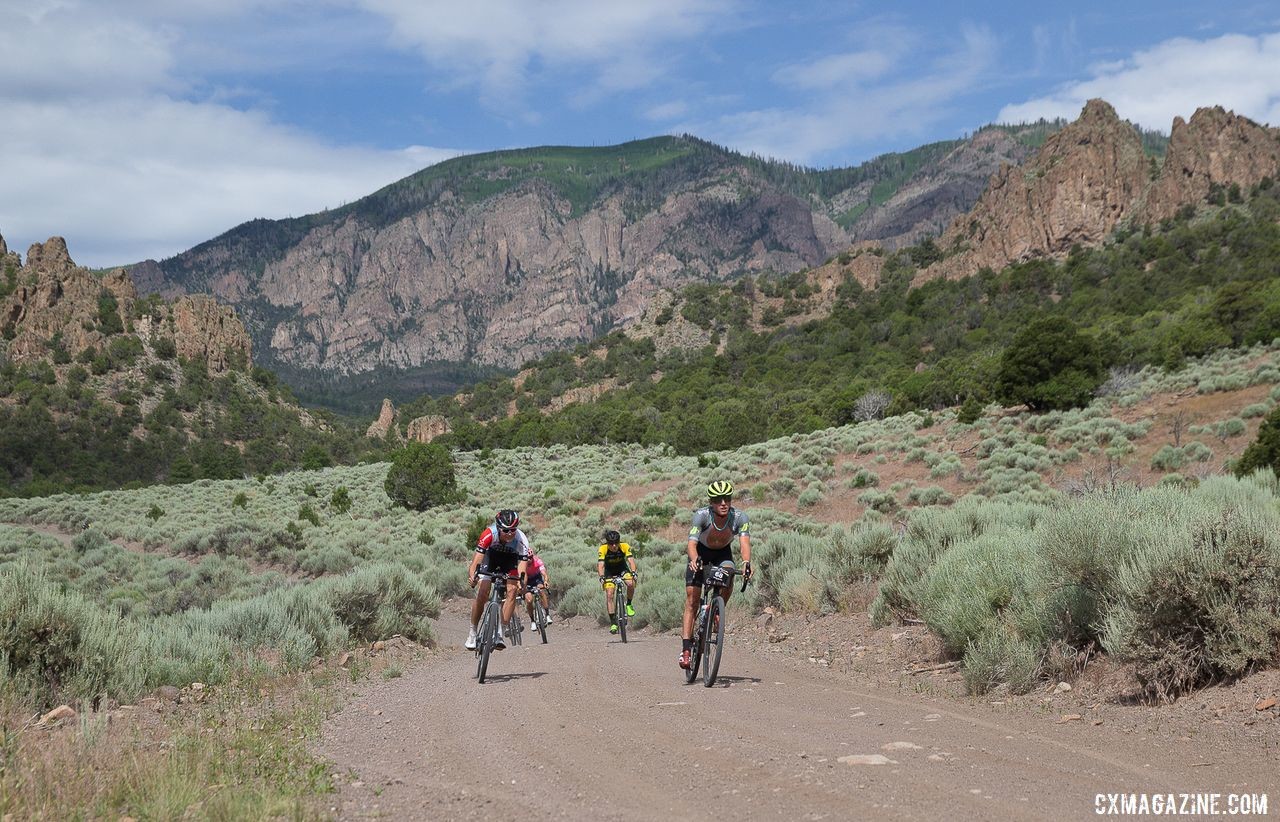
587,727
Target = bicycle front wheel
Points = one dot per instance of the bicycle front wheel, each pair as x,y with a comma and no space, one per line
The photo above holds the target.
714,642
540,614
620,608
488,634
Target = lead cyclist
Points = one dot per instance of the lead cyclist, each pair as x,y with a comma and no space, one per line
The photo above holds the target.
711,543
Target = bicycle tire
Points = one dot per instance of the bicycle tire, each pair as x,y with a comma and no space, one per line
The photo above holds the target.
620,608
695,652
489,624
541,614
714,627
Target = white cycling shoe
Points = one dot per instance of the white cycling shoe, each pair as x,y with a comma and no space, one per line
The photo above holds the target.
470,644
499,642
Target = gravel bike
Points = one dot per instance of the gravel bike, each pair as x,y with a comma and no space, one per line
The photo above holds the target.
490,619
620,601
708,631
540,615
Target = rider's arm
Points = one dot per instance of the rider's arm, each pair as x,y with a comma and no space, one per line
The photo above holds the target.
692,551
600,569
744,545
475,563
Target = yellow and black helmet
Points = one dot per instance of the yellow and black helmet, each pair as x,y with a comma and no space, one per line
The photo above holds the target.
720,488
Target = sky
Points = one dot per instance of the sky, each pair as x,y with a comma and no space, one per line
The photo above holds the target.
139,128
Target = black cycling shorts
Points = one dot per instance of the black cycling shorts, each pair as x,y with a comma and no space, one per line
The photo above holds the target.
533,581
709,557
500,561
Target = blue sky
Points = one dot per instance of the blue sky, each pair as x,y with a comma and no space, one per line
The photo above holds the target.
138,128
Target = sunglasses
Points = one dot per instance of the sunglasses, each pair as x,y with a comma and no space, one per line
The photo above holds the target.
718,500
507,530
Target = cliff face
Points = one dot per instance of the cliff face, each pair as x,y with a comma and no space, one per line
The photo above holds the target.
1092,176
498,259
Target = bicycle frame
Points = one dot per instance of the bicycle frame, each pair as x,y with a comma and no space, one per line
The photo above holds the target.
619,602
490,619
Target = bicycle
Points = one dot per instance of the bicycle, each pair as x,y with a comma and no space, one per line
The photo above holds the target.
708,631
620,601
490,619
540,615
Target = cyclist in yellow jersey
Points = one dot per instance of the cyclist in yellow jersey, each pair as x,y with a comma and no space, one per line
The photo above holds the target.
616,560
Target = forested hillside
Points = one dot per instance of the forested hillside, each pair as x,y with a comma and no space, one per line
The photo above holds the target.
1201,281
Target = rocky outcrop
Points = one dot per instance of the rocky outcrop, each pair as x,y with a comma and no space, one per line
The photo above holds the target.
207,331
58,303
64,306
1092,176
425,429
385,423
1084,180
1214,148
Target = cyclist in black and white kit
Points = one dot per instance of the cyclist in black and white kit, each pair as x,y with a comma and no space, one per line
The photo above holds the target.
710,543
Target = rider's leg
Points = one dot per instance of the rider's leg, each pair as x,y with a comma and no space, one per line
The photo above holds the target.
691,595
509,606
608,604
477,607
631,588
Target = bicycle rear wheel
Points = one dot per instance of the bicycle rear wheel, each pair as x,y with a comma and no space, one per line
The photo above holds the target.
620,608
713,642
488,633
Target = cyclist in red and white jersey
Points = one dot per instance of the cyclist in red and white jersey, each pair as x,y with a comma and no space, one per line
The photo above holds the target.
501,547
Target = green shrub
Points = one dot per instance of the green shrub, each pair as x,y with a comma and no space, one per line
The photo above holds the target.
421,476
1202,601
378,600
1049,365
59,647
1264,451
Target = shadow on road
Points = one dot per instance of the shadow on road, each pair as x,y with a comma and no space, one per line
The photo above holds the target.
509,677
723,681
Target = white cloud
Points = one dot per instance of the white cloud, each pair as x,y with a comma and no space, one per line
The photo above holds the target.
667,111
127,180
909,96
1174,78
500,46
99,147
836,70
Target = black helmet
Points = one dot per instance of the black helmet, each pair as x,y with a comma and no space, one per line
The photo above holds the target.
612,536
507,518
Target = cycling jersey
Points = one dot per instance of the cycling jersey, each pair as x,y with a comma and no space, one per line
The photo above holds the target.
502,556
615,562
715,537
533,571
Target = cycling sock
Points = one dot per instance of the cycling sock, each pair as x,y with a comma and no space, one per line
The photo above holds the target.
613,619
628,600
688,643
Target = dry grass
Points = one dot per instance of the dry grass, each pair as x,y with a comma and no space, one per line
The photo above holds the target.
237,752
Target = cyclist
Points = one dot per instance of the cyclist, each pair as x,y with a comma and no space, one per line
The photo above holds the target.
537,576
501,547
616,560
710,543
